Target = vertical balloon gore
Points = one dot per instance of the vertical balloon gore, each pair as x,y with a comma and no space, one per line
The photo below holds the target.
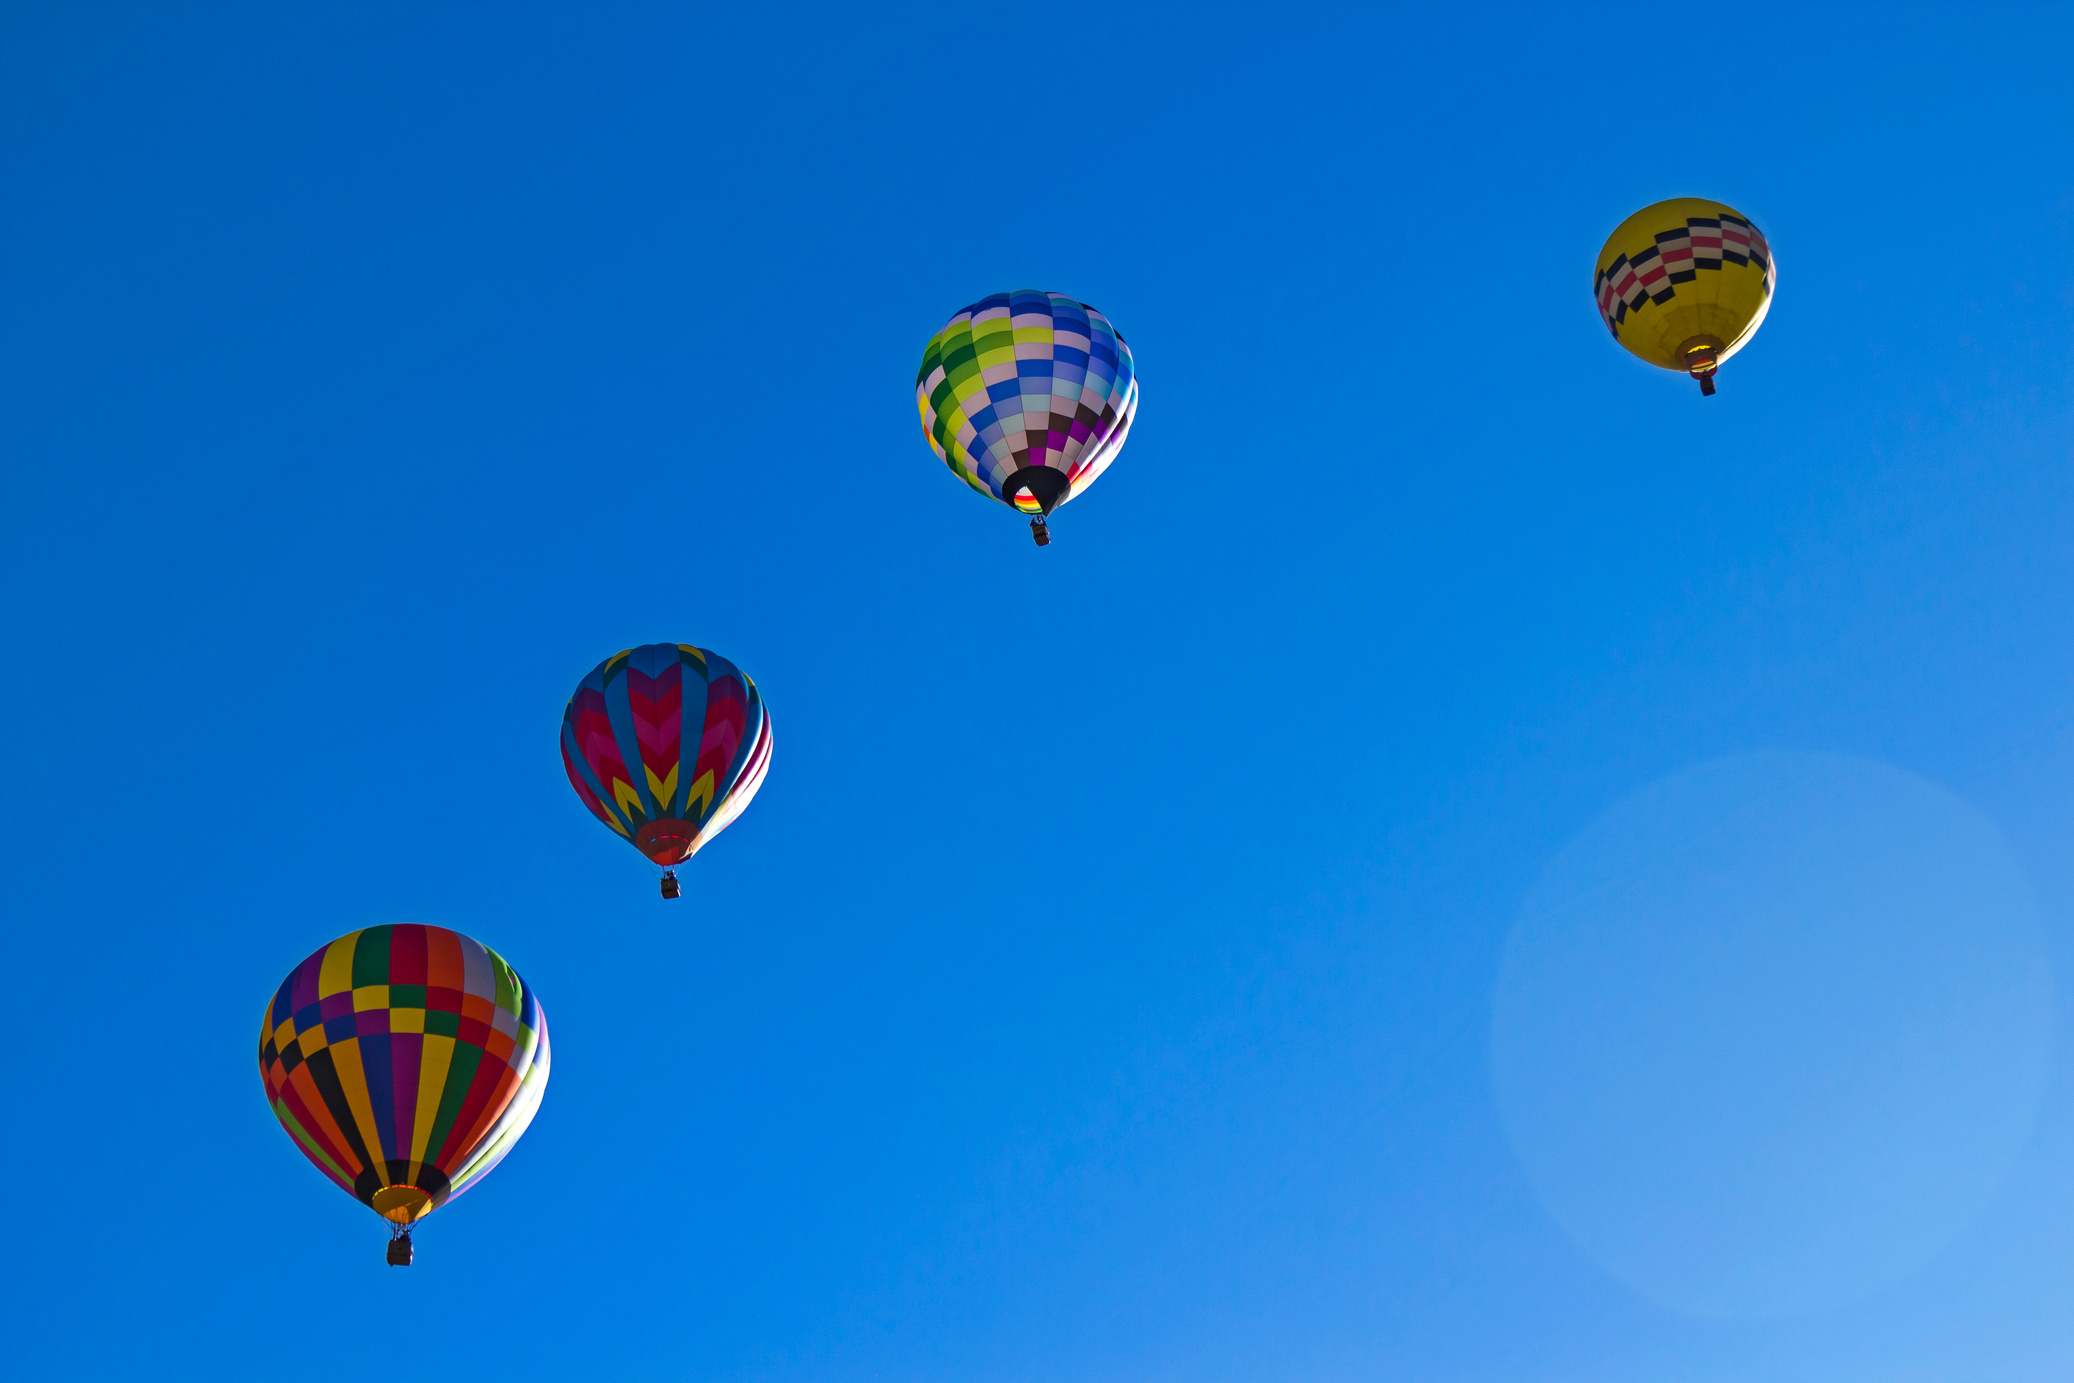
1041,531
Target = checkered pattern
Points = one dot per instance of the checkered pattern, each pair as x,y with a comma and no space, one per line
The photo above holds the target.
1027,379
404,1056
666,732
1704,242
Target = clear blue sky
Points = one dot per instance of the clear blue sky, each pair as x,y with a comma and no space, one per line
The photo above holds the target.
1463,861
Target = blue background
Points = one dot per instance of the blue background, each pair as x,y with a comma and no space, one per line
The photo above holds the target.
1100,986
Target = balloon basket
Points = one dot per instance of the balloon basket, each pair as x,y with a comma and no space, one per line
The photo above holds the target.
670,886
1041,531
399,1248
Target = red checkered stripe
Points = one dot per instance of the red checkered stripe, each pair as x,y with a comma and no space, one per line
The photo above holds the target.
1704,242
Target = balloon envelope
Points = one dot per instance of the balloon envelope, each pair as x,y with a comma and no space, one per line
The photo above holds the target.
1685,283
405,1061
1027,396
666,744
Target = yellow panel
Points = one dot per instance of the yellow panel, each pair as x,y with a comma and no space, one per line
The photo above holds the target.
345,1059
406,1020
701,794
370,996
335,975
432,1068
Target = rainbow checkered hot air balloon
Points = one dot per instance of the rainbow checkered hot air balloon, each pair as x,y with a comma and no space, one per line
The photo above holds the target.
1027,396
626,733
405,1061
1685,284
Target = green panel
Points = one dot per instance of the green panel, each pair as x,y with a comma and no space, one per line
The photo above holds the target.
460,1074
407,996
371,957
507,982
439,1024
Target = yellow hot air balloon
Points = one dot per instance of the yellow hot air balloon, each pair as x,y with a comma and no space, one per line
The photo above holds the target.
1683,284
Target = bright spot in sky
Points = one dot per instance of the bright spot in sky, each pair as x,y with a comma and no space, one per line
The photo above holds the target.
1768,1033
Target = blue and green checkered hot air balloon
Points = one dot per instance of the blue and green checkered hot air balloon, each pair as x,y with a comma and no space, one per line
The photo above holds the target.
1028,396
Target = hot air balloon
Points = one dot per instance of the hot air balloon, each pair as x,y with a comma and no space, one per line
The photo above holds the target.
625,733
1684,284
405,1061
1028,397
